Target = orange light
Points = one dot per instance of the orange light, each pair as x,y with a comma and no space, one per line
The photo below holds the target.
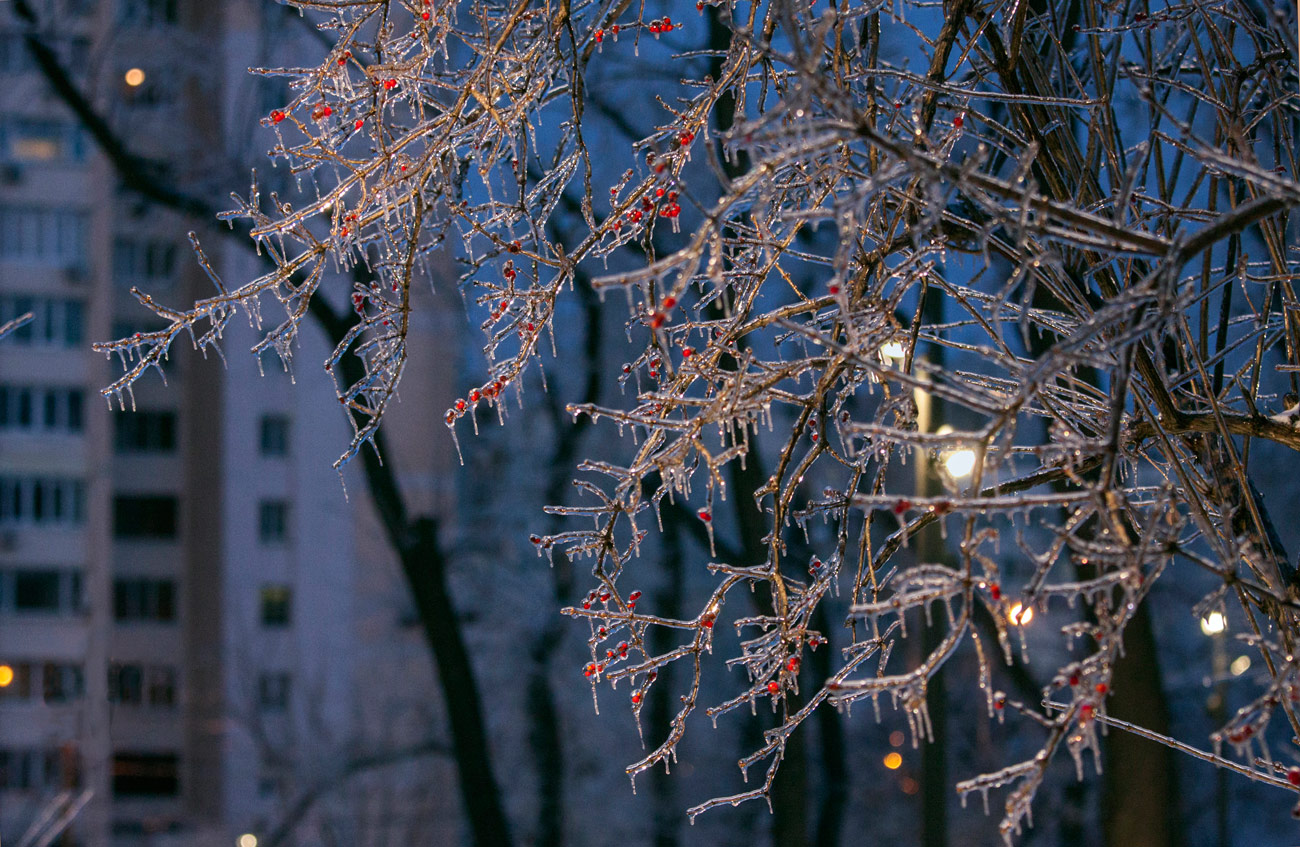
134,77
896,738
6,676
910,786
1021,615
893,761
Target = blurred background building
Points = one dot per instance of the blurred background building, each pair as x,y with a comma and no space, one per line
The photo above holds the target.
185,593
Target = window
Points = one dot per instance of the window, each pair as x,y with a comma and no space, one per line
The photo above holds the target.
60,409
146,775
36,591
41,500
147,13
276,601
52,591
125,684
133,684
14,58
28,769
138,599
273,691
273,521
56,322
147,262
29,140
21,686
162,686
144,432
144,516
62,683
275,435
44,236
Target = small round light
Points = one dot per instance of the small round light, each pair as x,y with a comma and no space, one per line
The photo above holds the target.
135,78
1020,614
6,676
893,761
1214,623
892,350
1239,665
959,463
248,839
896,738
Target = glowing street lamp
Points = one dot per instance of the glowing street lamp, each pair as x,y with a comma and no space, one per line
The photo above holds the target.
1214,623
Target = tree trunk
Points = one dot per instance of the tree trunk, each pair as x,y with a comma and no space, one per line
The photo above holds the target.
426,574
1139,794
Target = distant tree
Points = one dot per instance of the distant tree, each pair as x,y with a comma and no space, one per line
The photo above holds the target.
1061,229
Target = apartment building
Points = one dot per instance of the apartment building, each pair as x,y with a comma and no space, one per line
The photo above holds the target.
188,600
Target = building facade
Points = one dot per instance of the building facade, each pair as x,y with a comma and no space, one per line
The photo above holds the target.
189,601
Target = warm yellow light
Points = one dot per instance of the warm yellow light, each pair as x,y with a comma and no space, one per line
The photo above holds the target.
6,676
1214,623
1020,614
893,761
1239,665
134,78
248,839
892,350
959,463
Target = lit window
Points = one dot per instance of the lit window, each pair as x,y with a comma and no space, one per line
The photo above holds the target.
146,775
276,605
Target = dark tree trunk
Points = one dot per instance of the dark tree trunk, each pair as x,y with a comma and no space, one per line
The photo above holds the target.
425,568
1139,793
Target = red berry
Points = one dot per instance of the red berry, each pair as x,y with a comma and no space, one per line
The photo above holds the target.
277,116
793,665
591,669
360,123
1102,688
1074,679
390,84
957,122
687,352
708,621
424,15
999,700
600,35
902,506
1293,775
995,591
670,301
1085,712
657,320
634,596
704,515
451,417
636,698
774,688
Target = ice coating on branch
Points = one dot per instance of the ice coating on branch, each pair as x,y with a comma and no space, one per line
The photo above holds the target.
827,258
